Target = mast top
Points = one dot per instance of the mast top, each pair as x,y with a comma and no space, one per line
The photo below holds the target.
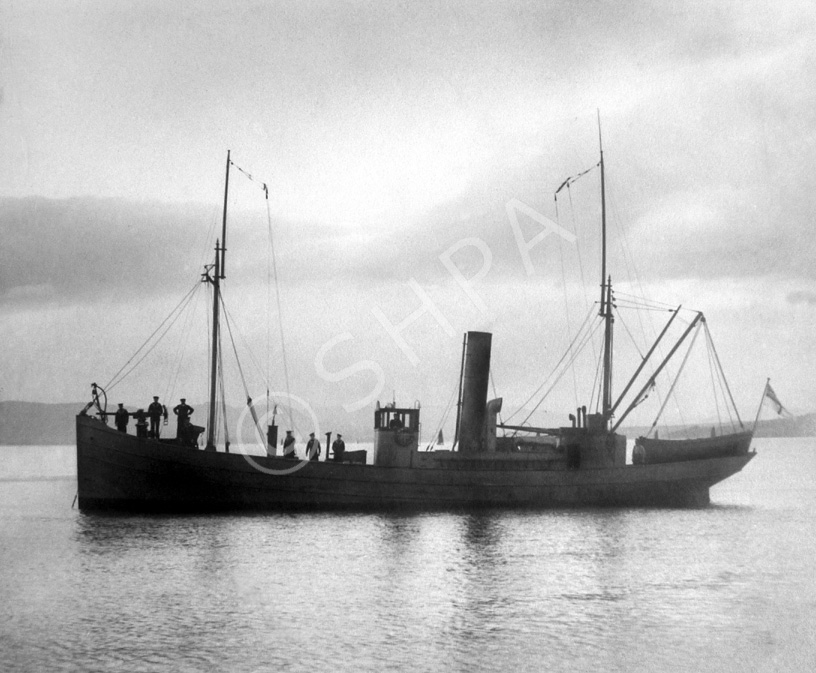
224,220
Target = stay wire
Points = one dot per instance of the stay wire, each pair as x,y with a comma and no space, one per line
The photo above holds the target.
566,298
577,351
228,320
177,311
554,369
279,309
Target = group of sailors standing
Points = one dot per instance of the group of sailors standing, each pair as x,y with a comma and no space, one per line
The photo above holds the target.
313,448
155,412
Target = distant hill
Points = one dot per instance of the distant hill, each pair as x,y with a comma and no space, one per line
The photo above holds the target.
794,426
38,423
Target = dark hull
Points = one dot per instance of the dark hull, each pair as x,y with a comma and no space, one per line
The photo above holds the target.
118,471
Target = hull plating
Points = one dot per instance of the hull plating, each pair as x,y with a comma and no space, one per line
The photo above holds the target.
118,471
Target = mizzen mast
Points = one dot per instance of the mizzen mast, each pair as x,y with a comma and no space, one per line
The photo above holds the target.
606,301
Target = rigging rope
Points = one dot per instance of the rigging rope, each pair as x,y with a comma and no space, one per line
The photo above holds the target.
554,369
578,350
178,311
676,378
595,394
280,312
265,188
719,366
714,382
254,415
445,415
566,298
223,396
170,388
628,331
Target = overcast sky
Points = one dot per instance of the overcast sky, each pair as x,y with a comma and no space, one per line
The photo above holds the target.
400,142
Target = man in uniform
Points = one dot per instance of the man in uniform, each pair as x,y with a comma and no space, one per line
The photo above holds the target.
141,424
121,418
183,411
154,412
289,445
313,447
339,448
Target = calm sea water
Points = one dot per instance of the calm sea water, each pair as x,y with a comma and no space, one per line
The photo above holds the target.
728,588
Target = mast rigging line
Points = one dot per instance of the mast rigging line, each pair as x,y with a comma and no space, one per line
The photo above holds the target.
566,298
676,379
186,330
177,310
265,188
577,351
653,377
629,332
278,304
646,301
578,335
252,357
445,415
574,178
228,320
722,374
714,382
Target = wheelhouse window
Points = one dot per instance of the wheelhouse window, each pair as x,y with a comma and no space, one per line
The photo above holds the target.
396,419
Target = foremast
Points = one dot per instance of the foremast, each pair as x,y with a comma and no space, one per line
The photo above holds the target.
215,280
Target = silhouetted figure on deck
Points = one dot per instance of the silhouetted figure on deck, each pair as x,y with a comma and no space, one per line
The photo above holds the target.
339,448
313,447
155,412
396,423
183,411
121,418
289,445
141,424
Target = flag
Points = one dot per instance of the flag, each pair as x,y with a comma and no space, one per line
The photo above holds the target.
771,395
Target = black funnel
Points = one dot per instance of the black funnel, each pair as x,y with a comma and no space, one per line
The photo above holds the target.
475,380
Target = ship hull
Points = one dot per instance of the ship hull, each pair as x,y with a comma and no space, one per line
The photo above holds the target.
122,472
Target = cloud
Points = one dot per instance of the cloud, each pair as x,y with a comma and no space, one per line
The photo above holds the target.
802,297
28,292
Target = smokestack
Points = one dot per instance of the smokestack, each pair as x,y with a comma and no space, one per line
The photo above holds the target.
474,392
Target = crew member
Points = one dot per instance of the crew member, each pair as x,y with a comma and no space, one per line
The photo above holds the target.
339,448
313,447
155,412
121,418
183,411
289,445
141,423
396,422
